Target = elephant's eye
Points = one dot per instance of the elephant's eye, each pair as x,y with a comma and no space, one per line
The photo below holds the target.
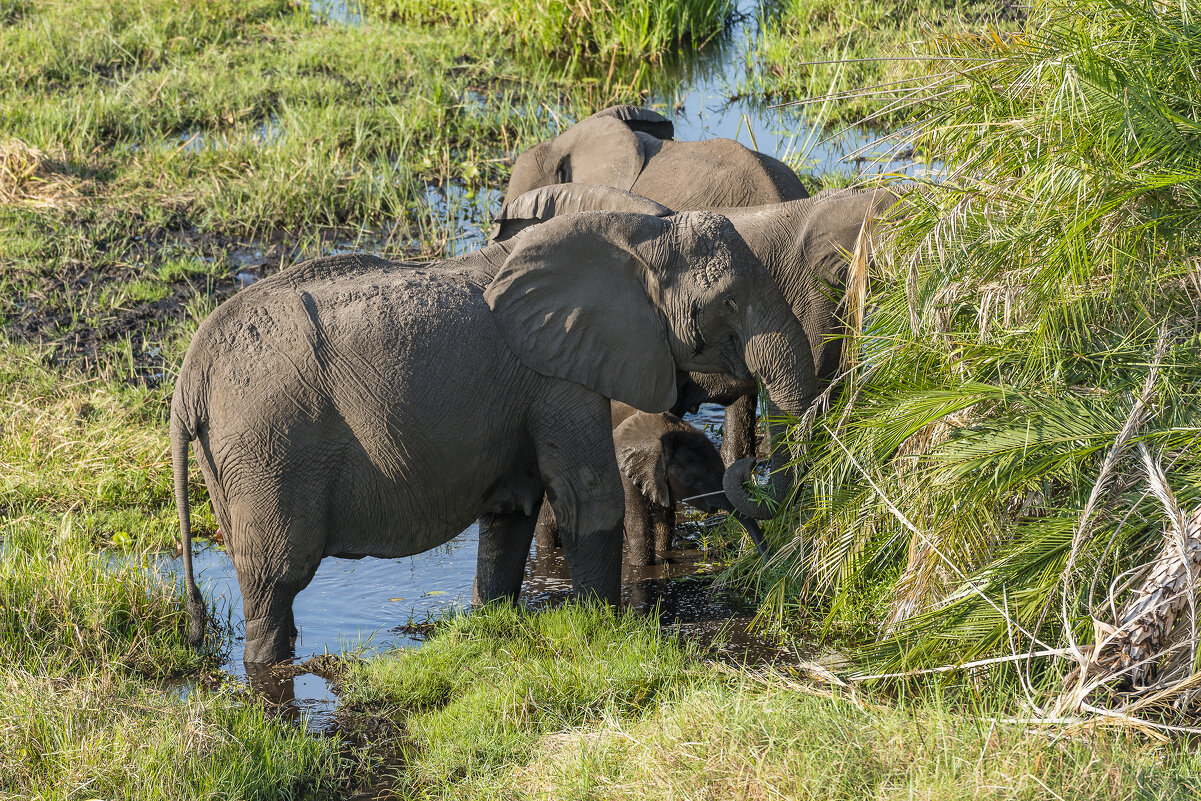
733,304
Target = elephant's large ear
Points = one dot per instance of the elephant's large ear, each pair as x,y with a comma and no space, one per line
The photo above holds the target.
572,301
600,150
641,119
640,457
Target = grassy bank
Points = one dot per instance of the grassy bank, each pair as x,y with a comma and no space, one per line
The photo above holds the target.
578,703
85,646
852,62
152,151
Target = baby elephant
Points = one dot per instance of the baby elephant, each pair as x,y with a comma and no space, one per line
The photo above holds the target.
662,460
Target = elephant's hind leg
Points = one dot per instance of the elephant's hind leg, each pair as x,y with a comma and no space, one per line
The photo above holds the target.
275,560
500,564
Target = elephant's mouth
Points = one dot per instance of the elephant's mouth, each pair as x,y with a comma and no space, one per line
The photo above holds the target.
694,328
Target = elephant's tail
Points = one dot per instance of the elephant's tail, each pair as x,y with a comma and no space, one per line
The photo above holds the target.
181,435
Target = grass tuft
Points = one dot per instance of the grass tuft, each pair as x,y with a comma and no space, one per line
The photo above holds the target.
480,693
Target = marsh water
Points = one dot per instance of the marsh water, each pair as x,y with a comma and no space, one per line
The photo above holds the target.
377,604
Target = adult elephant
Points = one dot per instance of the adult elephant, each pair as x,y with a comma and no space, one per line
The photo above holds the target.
804,244
631,148
352,406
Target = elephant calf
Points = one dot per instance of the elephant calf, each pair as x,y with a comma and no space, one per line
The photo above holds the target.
663,460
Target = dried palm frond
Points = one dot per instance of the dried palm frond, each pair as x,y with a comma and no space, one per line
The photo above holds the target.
1155,636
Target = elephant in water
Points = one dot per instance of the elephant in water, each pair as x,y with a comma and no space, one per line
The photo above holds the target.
805,246
351,406
663,460
631,148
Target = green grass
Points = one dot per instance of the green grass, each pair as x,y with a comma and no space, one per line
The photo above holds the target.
1015,318
855,61
481,692
104,736
580,703
88,454
67,608
774,738
599,30
141,138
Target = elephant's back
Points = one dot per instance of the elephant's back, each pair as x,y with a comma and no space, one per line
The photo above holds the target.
713,173
390,384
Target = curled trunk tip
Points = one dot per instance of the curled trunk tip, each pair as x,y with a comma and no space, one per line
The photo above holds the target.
734,481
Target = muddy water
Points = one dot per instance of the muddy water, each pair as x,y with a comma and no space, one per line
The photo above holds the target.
372,604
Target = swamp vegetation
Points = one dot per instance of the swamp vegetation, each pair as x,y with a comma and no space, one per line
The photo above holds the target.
1018,427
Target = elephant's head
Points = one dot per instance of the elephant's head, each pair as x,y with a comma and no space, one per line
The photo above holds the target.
602,149
669,461
620,303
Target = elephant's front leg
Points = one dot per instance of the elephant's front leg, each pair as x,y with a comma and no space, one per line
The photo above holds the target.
500,563
639,525
546,532
738,432
573,434
664,518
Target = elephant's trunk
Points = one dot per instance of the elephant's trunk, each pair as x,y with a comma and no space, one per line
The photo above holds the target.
783,476
777,352
738,503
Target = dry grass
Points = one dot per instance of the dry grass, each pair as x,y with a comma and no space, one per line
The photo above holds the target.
29,177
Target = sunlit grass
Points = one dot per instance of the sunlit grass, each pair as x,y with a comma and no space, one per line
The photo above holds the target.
575,29
851,61
106,736
477,696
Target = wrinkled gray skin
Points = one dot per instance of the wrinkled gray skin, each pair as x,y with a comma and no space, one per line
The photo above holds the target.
631,148
663,460
804,244
351,406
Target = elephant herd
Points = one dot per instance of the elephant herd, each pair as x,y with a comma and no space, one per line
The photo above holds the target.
353,406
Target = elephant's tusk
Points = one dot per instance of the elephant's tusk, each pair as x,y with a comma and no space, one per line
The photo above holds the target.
702,495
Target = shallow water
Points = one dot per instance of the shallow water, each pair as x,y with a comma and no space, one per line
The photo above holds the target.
711,101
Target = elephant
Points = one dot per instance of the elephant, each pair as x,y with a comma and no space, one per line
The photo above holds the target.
805,246
632,148
352,406
663,460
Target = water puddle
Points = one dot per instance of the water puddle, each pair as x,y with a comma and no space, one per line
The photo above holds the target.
710,100
366,606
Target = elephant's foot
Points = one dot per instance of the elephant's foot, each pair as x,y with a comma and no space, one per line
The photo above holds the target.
268,641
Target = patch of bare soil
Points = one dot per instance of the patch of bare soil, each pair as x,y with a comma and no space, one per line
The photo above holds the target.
61,310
